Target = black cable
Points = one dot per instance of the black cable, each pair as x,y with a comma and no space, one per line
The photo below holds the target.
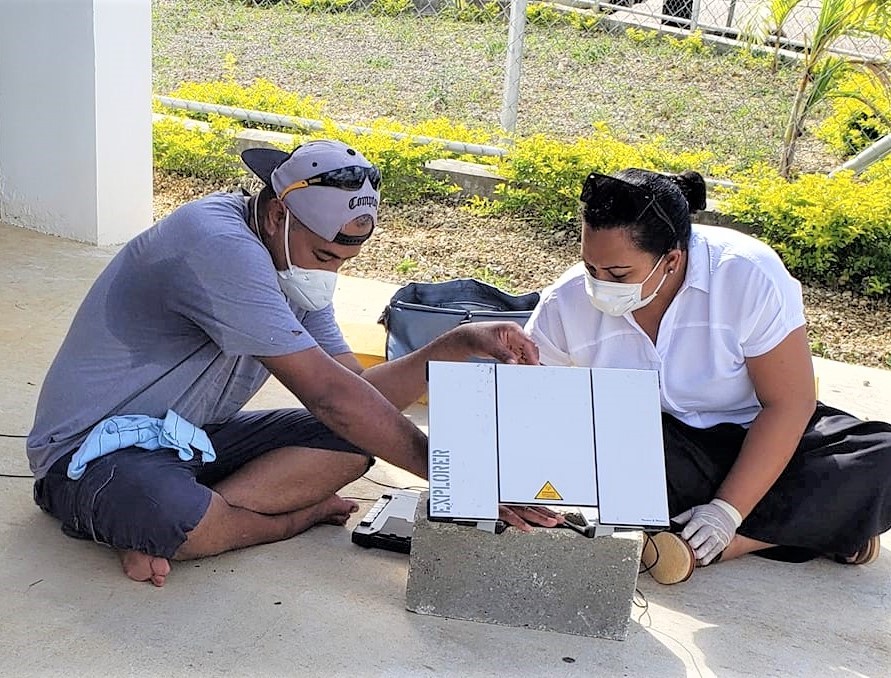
652,629
649,540
644,604
11,435
394,487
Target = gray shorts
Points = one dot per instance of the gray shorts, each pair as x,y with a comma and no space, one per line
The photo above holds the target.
147,501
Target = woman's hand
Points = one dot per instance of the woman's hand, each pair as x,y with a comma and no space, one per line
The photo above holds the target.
709,528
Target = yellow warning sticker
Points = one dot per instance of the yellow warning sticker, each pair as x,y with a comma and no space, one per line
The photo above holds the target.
548,491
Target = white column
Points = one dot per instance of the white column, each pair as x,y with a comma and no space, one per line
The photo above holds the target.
75,117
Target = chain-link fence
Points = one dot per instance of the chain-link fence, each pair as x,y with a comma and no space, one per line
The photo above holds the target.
677,69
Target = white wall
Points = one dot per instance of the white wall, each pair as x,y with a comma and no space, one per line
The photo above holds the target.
75,117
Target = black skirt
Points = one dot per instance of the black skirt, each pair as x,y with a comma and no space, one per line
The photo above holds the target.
834,495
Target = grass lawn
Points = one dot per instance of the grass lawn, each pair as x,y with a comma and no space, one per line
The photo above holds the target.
414,68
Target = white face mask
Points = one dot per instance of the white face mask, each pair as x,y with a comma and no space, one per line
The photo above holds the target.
617,299
308,288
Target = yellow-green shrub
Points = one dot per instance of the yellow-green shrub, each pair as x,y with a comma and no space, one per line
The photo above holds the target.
324,6
540,14
401,162
545,175
640,35
878,170
690,44
208,153
443,128
196,152
832,231
261,95
854,125
582,22
391,7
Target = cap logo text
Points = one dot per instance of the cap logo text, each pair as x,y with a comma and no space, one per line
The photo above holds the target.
363,201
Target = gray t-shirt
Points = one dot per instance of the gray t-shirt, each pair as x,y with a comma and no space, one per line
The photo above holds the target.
176,321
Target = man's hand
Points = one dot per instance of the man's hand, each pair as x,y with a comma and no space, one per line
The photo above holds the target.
524,517
404,380
504,341
709,528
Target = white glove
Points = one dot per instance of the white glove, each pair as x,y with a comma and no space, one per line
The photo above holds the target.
709,528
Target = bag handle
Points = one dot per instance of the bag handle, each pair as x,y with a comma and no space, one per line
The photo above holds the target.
384,318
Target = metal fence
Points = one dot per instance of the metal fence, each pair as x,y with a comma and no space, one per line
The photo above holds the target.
525,66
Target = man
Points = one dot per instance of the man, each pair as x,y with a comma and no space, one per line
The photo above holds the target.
184,326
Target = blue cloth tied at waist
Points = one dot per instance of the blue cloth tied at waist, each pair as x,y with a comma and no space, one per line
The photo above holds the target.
139,430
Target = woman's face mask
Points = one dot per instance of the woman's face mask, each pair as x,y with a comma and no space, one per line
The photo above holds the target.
307,288
616,298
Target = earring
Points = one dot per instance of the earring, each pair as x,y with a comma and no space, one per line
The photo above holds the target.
671,270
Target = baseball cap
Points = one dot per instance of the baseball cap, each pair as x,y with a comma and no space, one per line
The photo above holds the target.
324,183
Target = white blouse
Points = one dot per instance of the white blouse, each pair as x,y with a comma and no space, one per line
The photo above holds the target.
737,301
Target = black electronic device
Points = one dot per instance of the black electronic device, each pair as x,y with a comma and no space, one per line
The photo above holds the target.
389,523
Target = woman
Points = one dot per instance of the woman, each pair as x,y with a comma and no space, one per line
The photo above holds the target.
753,461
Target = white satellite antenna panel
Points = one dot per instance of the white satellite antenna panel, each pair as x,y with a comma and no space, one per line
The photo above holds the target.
463,445
545,436
630,456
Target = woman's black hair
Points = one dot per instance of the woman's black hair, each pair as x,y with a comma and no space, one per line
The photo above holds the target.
654,208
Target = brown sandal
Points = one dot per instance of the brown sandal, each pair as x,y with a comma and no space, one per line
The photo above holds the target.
866,555
668,558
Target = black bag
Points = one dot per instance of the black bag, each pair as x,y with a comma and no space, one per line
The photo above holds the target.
420,312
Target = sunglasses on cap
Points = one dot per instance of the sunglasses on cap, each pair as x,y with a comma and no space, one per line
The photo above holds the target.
610,200
346,178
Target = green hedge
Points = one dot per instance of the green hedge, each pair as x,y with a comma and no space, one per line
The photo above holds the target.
856,123
545,175
832,231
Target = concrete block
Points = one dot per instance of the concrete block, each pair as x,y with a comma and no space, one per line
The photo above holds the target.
549,580
244,139
711,216
261,138
477,179
473,178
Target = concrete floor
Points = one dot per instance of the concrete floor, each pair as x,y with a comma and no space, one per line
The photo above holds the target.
318,605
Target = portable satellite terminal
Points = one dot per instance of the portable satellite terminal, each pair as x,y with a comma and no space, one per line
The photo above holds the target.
389,523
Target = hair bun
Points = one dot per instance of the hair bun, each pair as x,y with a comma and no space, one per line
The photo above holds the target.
692,185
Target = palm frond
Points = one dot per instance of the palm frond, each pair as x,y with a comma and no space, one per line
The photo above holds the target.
766,18
825,78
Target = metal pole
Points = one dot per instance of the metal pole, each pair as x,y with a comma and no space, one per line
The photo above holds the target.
730,13
513,66
867,156
291,122
694,15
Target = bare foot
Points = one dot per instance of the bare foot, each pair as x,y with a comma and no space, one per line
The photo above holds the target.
143,567
225,527
334,510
